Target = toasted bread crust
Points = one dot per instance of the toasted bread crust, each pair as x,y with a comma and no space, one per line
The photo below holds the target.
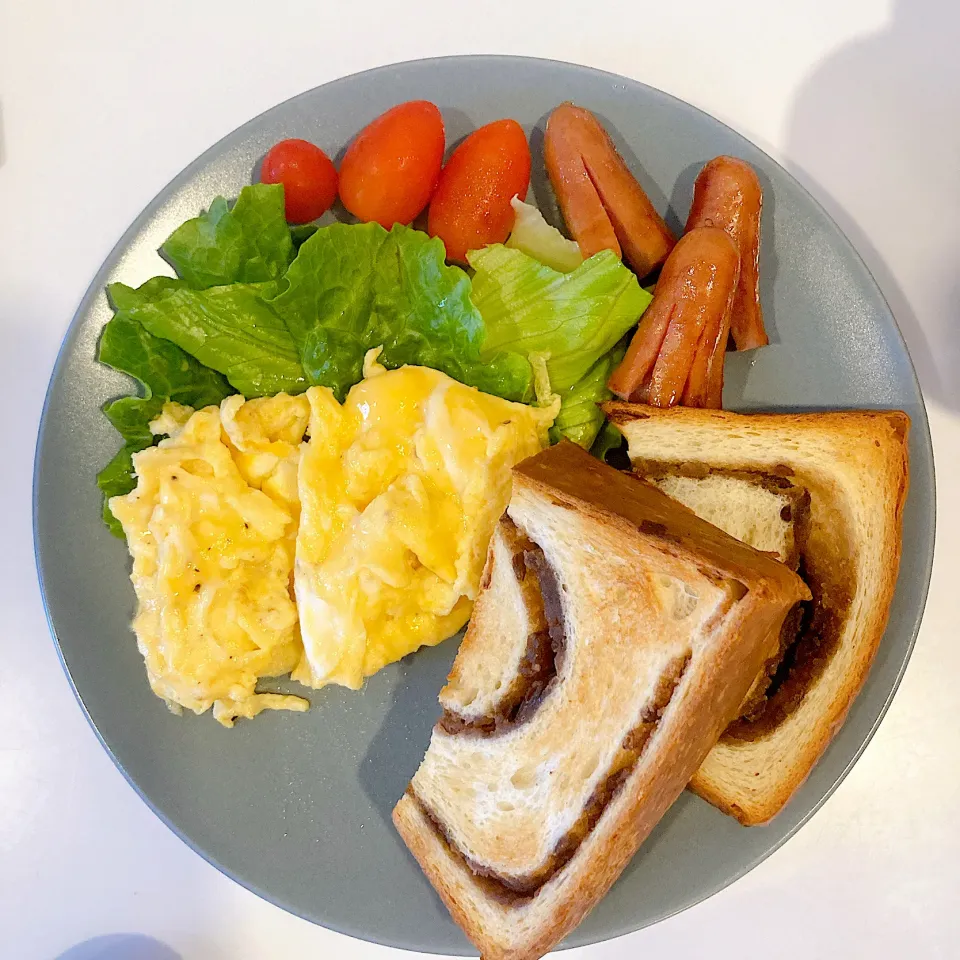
860,459
581,497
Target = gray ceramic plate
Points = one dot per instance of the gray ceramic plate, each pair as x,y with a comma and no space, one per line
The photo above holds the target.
297,807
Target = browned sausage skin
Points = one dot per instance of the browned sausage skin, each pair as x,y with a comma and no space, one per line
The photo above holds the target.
669,356
603,205
728,195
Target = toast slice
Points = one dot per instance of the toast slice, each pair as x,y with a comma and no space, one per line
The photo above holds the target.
645,628
499,676
854,467
766,510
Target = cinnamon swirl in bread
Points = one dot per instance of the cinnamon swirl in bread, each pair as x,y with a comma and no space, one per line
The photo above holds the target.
735,471
615,636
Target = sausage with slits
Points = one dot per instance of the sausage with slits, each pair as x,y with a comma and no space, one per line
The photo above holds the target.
694,293
603,205
728,195
696,393
705,384
715,364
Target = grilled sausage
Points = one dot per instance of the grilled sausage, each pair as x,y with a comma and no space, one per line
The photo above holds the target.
728,195
604,206
694,294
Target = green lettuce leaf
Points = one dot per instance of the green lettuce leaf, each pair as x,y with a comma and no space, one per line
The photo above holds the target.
535,237
300,233
248,243
574,318
161,366
609,442
230,329
114,480
580,418
357,286
131,416
165,372
179,337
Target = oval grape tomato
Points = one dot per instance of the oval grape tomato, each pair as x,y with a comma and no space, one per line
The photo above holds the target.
390,170
471,205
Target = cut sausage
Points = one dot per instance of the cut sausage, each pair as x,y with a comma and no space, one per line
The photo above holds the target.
694,294
604,206
697,391
715,363
728,195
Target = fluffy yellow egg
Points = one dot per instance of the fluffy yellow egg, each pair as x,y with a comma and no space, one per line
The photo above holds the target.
368,540
212,528
400,489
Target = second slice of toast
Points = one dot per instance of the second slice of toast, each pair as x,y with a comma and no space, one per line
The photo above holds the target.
853,465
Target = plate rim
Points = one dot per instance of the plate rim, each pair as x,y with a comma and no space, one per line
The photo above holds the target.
922,575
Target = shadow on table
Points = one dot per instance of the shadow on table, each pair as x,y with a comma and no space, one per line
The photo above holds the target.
876,123
120,946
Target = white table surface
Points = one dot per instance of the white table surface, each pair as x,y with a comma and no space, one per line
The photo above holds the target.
102,102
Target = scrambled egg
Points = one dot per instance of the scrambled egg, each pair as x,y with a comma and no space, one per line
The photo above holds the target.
212,529
400,487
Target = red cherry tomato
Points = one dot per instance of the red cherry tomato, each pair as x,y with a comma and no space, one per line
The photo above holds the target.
471,205
309,178
389,172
